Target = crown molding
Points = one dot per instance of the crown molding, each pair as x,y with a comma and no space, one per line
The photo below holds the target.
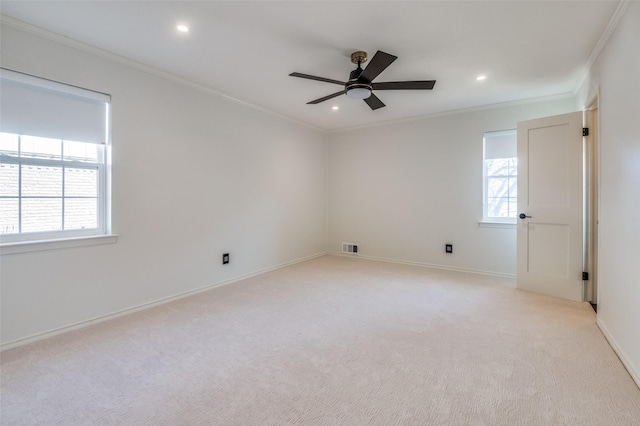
50,35
457,112
602,42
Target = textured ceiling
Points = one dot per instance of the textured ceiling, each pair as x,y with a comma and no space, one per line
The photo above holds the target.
246,50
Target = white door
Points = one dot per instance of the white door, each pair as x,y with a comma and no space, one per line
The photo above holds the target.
550,206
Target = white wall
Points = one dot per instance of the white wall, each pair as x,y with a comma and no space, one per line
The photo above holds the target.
616,74
403,191
194,175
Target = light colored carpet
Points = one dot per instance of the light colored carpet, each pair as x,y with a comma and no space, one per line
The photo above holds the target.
331,341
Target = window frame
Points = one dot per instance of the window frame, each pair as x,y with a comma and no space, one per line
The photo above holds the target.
101,194
486,219
44,240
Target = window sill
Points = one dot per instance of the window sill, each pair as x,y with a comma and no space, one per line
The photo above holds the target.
504,225
31,246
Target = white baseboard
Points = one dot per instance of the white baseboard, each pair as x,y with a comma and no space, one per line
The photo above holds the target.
426,265
82,324
633,371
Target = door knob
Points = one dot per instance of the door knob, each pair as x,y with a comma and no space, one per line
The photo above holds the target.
523,216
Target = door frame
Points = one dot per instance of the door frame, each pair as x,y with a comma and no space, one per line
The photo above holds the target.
591,157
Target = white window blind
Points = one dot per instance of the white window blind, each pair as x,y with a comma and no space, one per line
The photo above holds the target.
500,145
39,107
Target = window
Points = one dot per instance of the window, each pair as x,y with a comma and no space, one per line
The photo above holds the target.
500,176
53,160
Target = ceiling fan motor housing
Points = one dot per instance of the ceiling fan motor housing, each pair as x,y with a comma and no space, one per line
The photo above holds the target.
353,76
355,89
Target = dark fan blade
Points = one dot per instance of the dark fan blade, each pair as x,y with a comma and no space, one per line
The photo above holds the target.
378,63
313,77
326,98
404,85
374,102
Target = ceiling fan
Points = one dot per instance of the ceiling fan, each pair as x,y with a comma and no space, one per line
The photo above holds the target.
361,85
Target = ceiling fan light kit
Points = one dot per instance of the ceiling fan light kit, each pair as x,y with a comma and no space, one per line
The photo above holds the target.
360,84
358,92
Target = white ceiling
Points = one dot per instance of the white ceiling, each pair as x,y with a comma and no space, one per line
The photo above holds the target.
246,50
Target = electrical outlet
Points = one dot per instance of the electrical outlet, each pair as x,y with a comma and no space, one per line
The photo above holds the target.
225,258
448,248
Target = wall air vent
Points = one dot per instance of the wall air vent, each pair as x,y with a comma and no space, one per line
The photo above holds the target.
350,248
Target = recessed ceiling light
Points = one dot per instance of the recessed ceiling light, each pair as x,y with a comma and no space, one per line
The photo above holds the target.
481,77
335,107
183,28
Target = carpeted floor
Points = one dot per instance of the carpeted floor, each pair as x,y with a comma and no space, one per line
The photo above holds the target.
331,341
